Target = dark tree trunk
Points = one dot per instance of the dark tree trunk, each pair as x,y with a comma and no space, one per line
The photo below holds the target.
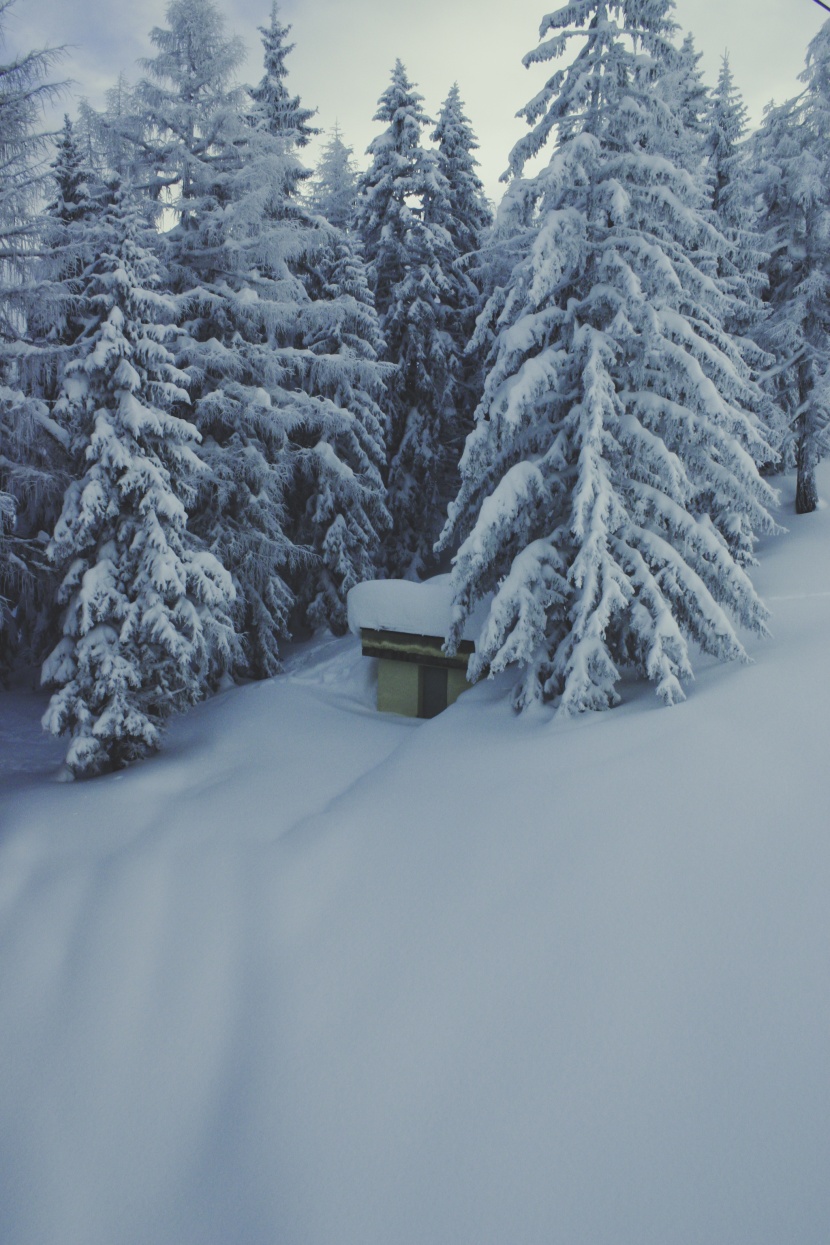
806,497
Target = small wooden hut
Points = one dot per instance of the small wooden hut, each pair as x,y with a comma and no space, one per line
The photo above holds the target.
404,626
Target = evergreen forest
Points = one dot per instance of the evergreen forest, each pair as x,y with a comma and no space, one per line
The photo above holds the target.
235,383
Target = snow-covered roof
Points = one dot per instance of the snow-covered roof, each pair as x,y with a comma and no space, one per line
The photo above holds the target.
416,609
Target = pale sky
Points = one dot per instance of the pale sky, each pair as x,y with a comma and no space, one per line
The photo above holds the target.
345,50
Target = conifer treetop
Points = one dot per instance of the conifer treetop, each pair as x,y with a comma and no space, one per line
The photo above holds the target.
190,76
70,175
727,127
468,209
400,107
194,50
25,91
453,129
335,182
575,97
727,103
284,112
392,190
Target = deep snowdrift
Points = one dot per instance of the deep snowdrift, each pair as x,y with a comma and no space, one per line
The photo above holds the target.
315,976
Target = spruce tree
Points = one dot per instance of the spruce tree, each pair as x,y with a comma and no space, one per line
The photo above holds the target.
70,178
403,196
267,398
283,113
335,511
468,213
337,503
687,96
334,190
391,186
727,129
70,234
423,391
608,485
792,158
54,321
741,265
229,264
144,605
465,214
29,450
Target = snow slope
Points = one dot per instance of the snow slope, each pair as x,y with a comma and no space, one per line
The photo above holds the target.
316,976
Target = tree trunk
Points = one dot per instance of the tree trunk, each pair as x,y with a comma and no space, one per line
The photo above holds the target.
806,497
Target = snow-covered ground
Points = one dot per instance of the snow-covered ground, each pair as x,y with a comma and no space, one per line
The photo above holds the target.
316,976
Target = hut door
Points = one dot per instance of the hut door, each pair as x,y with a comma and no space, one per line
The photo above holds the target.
432,690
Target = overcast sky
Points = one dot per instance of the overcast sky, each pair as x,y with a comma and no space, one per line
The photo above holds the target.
345,50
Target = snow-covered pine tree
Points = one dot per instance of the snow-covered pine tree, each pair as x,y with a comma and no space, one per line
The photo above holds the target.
54,320
791,153
112,140
740,268
144,604
266,396
28,458
402,196
392,186
334,189
70,233
335,508
230,269
423,391
282,112
70,177
608,481
687,96
25,90
465,213
337,504
13,568
727,159
739,265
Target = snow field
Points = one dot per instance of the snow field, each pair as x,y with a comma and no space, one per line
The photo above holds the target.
318,976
